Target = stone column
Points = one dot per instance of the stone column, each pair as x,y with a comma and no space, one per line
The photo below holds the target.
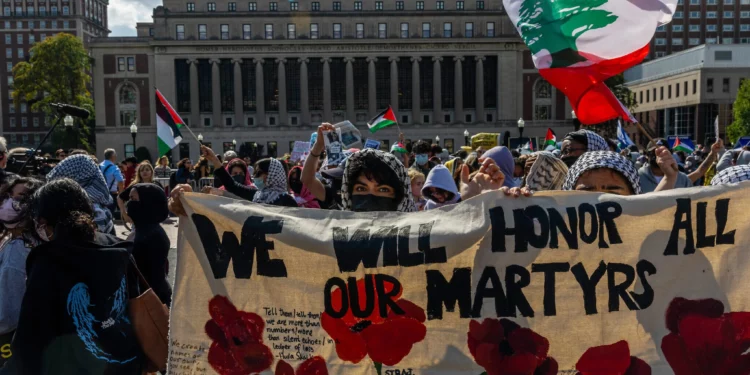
394,83
239,116
260,103
304,93
437,103
458,89
195,111
372,92
216,92
416,112
350,89
327,116
283,114
479,85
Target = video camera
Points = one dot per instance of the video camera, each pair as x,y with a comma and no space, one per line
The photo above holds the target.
35,166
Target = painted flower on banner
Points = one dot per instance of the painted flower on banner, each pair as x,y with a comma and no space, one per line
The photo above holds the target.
386,340
237,347
503,347
313,366
611,359
703,340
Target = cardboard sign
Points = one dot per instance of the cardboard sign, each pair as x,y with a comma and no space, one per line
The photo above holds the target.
486,140
373,143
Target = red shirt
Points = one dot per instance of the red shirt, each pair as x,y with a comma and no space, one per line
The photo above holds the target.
129,175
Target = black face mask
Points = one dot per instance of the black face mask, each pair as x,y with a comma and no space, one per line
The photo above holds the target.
136,211
570,160
296,186
370,203
239,178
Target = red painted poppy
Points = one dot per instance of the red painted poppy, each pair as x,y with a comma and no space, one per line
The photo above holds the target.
503,347
611,359
313,366
703,340
237,347
386,340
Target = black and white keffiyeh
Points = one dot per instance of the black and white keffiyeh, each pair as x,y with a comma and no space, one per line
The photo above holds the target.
603,159
406,204
732,175
83,170
275,185
547,173
594,141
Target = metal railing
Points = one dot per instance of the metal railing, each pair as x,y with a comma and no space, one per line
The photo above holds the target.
196,185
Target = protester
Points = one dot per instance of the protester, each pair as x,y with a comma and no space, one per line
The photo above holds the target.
147,208
732,175
229,156
734,157
454,167
399,150
421,151
202,170
3,154
144,173
73,317
162,169
302,194
83,170
440,189
651,175
184,174
504,160
578,142
329,194
15,223
547,172
129,172
417,182
376,181
112,177
61,154
238,170
473,161
609,172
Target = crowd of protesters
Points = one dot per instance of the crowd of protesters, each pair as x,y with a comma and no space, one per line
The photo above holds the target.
65,272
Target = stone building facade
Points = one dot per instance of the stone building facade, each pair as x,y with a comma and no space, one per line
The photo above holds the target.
267,73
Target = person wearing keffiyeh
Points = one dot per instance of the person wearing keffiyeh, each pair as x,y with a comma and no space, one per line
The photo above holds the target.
580,141
546,173
604,172
732,175
270,179
376,181
84,171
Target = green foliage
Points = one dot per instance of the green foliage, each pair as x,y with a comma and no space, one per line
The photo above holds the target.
556,25
741,111
622,93
56,73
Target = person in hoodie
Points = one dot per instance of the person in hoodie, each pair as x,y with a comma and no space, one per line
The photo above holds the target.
440,188
651,174
504,160
147,208
734,157
74,315
302,194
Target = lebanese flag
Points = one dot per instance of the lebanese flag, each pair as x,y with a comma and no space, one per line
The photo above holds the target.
577,45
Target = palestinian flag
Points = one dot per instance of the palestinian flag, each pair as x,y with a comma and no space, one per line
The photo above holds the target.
398,147
679,146
577,45
168,124
382,120
550,139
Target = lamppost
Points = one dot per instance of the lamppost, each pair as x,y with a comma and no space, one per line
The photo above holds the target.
200,138
133,133
576,123
521,124
68,121
234,145
466,137
437,140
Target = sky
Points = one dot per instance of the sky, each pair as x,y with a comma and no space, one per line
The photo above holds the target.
124,14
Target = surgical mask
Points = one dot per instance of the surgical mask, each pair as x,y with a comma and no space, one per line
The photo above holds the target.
370,203
421,159
9,213
569,160
239,178
259,183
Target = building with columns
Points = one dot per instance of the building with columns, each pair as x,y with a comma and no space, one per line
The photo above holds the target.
268,74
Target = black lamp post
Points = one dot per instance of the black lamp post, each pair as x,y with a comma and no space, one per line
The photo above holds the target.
133,133
521,124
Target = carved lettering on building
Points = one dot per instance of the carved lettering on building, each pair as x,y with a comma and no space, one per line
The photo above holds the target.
352,48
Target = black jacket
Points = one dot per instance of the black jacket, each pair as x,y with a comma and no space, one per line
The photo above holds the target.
74,317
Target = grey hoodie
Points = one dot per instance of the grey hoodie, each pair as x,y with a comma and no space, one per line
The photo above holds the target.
649,183
440,177
726,159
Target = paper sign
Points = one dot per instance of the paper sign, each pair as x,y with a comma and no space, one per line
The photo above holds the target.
373,143
349,135
333,147
300,151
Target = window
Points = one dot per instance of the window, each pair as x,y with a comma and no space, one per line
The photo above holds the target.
25,123
711,14
661,93
357,5
710,27
43,25
695,14
150,31
695,28
11,108
420,5
66,10
426,30
711,2
30,11
744,27
399,5
211,7
9,53
728,14
8,39
744,14
490,29
313,31
246,31
36,125
542,100
269,31
678,14
660,41
469,30
54,24
232,7
225,32
294,6
360,31
315,6
727,40
32,39
745,2
404,30
440,5
459,5
291,31
19,39
131,64
694,41
677,90
728,2
677,28
695,86
42,10
23,107
252,7
382,30
202,33
336,31
127,105
337,5
9,67
727,28
725,85
745,40
447,30
20,53
180,32
273,6
660,28
480,5
710,85
6,13
12,122
710,40
676,42
53,10
191,7
378,5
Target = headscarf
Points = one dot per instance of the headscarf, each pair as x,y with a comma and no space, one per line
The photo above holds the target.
547,172
603,159
732,175
83,170
275,186
504,160
593,141
304,198
151,206
248,179
406,204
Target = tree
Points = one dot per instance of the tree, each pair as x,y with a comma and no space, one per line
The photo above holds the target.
741,111
57,73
